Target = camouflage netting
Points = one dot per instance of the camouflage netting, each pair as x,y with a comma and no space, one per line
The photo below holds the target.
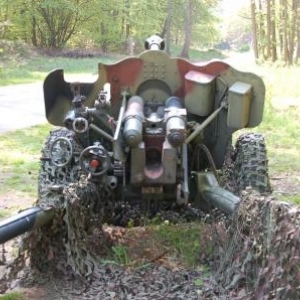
75,241
259,253
72,249
75,236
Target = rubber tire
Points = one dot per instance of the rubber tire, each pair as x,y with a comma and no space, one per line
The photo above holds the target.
250,167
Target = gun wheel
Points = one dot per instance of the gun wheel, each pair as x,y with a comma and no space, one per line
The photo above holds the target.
61,152
53,177
250,167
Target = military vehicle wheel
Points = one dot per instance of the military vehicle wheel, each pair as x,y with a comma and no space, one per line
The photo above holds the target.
59,166
250,167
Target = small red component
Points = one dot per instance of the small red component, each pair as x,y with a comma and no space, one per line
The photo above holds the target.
94,163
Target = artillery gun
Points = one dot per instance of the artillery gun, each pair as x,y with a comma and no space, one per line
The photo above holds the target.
151,129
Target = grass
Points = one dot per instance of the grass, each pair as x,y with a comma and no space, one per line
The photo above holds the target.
12,296
187,240
281,130
184,244
292,198
120,254
198,55
20,152
17,70
282,82
37,68
280,125
4,213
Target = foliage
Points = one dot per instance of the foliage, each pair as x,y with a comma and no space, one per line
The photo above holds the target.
44,23
113,25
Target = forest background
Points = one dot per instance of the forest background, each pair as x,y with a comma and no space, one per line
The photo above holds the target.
269,27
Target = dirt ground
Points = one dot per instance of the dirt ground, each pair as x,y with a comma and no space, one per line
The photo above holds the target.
286,185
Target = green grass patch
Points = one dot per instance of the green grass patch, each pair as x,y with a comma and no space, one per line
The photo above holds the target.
38,68
187,240
20,153
281,129
291,198
16,295
281,82
12,210
16,71
24,141
197,55
121,255
4,213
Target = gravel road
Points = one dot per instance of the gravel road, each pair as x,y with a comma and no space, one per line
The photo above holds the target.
21,106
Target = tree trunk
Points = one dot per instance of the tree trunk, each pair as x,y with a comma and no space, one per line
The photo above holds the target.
273,32
166,31
261,29
298,46
294,21
168,26
33,32
103,42
298,35
254,30
187,29
285,31
268,29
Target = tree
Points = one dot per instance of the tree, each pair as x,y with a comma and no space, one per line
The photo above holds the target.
4,19
112,24
45,23
166,31
273,31
188,29
254,28
54,22
275,25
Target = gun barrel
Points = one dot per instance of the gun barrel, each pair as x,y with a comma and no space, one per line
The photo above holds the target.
24,221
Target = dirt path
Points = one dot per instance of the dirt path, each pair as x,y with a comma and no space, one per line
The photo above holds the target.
21,106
